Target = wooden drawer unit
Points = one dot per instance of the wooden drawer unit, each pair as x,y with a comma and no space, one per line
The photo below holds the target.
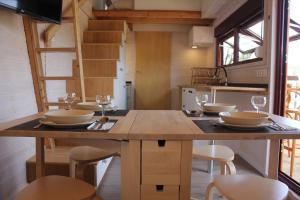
161,162
159,192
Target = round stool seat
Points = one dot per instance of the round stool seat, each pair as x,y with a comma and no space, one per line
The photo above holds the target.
250,187
58,188
214,152
89,154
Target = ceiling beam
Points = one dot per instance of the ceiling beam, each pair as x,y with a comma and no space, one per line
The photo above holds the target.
154,16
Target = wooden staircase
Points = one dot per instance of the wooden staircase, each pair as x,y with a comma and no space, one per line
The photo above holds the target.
101,48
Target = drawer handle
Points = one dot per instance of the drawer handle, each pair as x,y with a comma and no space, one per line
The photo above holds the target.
159,188
161,143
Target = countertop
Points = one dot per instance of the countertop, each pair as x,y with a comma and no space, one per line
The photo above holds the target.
244,87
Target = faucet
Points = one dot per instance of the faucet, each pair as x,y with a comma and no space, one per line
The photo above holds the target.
217,73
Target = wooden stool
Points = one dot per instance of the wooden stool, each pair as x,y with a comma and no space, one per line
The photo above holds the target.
82,156
248,187
222,154
58,188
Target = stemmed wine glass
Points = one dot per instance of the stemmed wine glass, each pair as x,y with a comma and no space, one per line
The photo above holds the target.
103,101
258,102
201,99
69,100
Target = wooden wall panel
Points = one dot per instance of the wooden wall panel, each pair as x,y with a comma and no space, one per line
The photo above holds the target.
153,60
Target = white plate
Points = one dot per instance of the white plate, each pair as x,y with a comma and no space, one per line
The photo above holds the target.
245,127
88,106
55,125
244,118
219,107
93,106
69,116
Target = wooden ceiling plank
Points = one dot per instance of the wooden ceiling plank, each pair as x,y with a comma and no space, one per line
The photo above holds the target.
155,16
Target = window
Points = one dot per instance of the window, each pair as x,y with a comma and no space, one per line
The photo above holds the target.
228,50
242,44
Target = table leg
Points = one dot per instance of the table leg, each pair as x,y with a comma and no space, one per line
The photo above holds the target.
186,170
40,157
274,158
131,170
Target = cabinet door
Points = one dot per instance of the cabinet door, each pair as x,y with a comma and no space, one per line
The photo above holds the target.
161,162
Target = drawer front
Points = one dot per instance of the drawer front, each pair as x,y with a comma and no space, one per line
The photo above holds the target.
159,192
161,162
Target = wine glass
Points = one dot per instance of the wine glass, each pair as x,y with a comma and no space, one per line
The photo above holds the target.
201,99
69,100
258,102
103,101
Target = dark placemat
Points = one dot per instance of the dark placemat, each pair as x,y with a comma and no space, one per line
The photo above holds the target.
199,114
28,126
210,126
113,113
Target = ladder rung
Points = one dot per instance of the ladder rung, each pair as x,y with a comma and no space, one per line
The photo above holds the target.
56,49
49,78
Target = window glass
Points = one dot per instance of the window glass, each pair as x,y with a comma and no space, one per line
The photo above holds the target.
250,39
228,51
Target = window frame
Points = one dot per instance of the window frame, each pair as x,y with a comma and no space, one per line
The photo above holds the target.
235,33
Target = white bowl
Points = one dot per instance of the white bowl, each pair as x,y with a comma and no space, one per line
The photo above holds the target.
219,107
69,116
244,118
88,106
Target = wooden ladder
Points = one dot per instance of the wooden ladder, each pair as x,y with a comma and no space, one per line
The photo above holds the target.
35,51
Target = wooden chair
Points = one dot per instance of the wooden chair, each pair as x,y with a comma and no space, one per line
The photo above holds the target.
293,113
248,187
58,188
82,156
223,154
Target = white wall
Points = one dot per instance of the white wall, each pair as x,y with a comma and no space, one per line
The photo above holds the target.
183,57
255,152
167,5
16,99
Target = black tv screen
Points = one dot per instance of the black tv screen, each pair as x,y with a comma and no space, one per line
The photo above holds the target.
46,10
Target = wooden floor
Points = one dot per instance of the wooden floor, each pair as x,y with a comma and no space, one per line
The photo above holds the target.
110,188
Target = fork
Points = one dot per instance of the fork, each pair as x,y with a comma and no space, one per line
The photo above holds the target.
278,125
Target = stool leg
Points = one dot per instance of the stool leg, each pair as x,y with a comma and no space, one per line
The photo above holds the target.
223,168
208,193
231,168
72,168
79,172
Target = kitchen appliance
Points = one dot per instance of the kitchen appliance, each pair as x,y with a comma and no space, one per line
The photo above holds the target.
189,99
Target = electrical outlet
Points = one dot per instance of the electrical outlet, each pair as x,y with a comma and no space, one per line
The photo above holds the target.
262,73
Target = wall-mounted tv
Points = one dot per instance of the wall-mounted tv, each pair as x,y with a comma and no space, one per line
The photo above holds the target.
45,10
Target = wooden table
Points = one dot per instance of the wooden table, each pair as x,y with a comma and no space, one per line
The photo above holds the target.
156,150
